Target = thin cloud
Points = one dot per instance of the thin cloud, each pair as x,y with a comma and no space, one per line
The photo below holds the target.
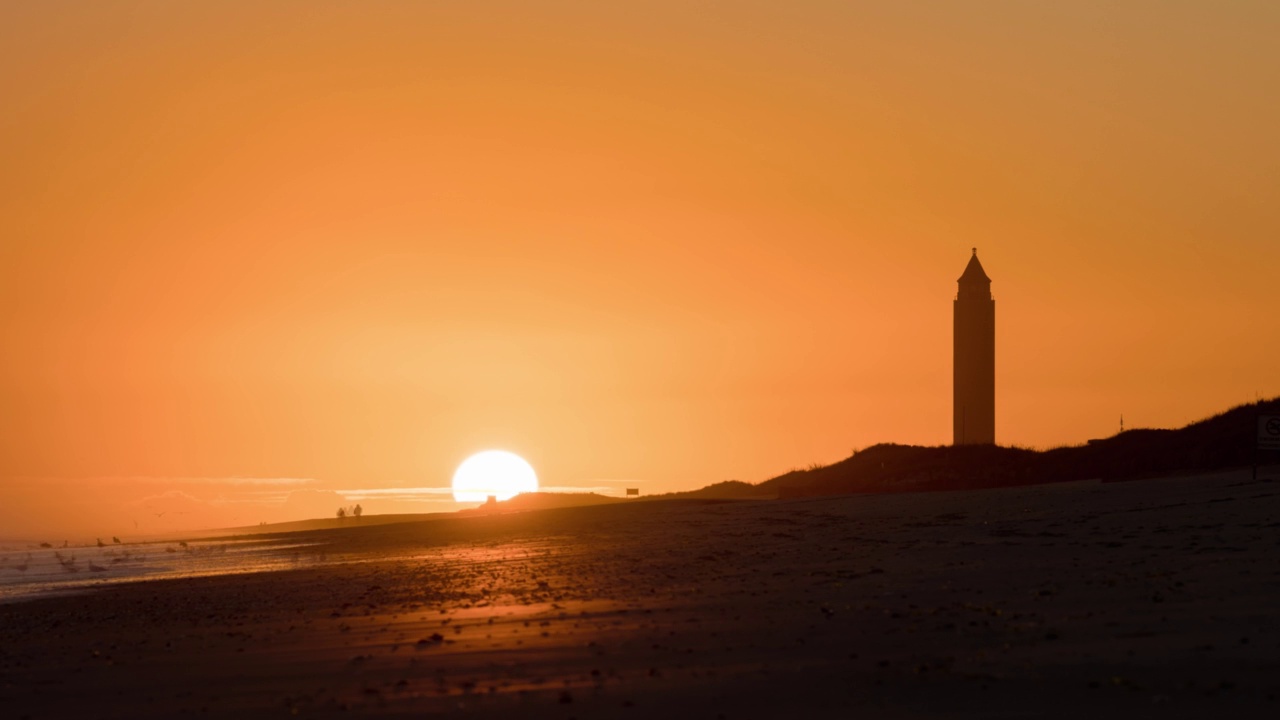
236,481
421,494
439,494
160,480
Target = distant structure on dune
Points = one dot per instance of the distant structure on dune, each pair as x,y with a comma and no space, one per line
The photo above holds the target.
974,359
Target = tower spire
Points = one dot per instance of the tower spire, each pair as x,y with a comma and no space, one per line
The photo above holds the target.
973,272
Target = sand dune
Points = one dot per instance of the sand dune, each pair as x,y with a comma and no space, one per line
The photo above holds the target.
1146,599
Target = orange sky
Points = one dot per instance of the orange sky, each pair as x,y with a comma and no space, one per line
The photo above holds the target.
639,243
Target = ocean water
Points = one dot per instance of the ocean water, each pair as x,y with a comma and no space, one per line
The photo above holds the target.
32,571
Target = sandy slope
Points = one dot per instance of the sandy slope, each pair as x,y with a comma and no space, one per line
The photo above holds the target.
1150,599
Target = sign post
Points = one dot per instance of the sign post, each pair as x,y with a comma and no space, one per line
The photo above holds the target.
1268,437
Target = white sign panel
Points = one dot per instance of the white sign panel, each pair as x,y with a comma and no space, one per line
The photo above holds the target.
1269,432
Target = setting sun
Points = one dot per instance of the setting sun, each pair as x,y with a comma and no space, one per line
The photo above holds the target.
493,472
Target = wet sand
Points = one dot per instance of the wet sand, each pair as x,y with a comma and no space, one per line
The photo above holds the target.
1146,599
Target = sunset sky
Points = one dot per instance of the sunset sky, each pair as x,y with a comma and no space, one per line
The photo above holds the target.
254,251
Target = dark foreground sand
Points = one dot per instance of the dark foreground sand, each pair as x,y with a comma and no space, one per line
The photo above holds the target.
1146,599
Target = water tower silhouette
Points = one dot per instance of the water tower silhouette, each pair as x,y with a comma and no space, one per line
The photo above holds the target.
974,358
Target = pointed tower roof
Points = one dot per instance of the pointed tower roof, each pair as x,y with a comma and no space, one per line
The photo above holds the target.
973,272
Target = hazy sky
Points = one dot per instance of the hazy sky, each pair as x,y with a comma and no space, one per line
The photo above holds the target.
639,243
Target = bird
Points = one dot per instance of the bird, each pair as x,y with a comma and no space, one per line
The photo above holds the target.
115,540
68,563
100,543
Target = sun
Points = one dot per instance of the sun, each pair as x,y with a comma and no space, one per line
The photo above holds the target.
493,472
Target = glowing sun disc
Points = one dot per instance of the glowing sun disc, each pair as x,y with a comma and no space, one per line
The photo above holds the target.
493,472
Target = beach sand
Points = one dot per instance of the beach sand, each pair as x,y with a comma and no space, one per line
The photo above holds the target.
1158,598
